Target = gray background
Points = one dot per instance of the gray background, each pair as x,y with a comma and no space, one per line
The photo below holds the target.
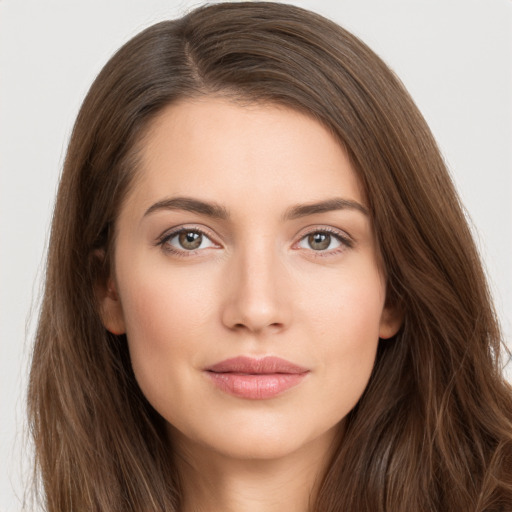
454,56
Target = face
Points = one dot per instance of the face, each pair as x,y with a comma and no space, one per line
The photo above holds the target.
247,279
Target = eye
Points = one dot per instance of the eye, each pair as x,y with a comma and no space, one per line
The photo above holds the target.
186,240
321,241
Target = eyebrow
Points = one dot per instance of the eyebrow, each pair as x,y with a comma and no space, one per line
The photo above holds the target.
217,211
303,210
189,204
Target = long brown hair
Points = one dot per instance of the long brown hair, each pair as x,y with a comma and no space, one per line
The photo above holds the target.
433,430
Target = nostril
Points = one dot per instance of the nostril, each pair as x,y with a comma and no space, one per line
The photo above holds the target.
242,326
253,309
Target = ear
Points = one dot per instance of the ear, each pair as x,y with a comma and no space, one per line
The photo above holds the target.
390,322
111,311
109,303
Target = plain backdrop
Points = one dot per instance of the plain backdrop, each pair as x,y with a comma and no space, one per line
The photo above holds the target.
454,56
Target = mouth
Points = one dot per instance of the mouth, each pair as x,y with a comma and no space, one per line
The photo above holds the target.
256,379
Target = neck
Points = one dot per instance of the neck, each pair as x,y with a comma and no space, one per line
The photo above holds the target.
213,482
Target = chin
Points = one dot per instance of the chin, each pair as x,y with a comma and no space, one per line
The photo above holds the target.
260,439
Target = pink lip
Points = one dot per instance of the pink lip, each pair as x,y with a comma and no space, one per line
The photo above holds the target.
256,379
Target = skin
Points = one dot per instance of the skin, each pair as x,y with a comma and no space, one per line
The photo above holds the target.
257,285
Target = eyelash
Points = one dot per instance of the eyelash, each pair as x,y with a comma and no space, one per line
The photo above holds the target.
163,241
345,241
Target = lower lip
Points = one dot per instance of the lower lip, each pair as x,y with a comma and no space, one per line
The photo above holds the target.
255,386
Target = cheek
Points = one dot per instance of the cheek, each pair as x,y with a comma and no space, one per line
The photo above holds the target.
345,322
166,317
159,312
348,306
165,299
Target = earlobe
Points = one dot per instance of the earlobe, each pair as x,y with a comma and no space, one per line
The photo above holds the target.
111,311
390,322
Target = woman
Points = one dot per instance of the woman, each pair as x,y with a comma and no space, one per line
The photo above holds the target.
261,287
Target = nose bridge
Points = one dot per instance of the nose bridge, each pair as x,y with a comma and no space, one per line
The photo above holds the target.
256,286
258,273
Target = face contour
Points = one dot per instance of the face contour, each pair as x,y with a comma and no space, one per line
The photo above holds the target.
247,279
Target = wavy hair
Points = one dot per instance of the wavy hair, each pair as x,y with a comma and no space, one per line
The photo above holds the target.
433,429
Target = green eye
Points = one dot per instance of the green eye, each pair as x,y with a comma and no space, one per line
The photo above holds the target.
321,241
190,240
186,240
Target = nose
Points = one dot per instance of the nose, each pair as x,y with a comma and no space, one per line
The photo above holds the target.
256,294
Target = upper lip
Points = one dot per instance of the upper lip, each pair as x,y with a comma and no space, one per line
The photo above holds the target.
255,366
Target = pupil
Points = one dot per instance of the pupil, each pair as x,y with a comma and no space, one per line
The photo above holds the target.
319,241
190,240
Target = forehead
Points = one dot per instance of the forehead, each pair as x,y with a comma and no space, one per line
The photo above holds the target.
218,149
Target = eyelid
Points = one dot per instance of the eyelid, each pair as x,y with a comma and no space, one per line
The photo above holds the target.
168,234
346,240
